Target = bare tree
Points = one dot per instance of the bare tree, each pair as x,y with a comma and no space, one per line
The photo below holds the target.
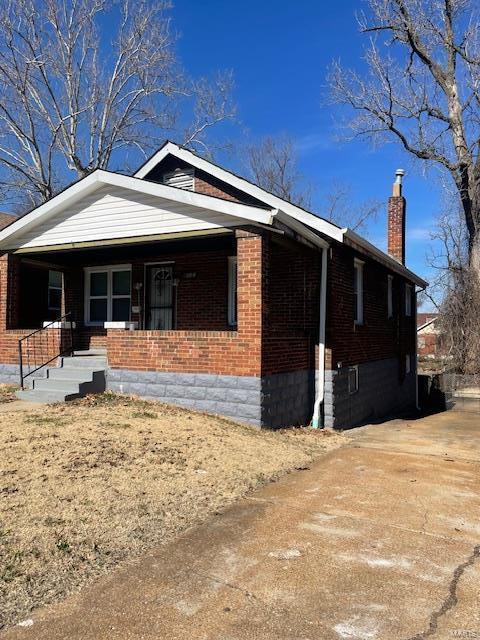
454,289
458,314
272,164
338,207
422,88
71,100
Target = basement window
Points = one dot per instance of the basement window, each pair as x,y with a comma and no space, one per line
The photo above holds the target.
55,280
180,178
107,294
353,379
232,291
358,291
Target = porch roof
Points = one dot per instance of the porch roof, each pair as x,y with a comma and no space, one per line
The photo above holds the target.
107,206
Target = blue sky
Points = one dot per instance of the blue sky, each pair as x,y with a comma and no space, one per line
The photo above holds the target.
279,52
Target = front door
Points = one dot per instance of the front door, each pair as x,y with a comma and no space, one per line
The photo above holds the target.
160,294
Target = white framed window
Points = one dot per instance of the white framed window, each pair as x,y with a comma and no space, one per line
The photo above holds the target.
408,300
358,291
232,290
408,363
55,287
180,178
390,296
353,379
108,294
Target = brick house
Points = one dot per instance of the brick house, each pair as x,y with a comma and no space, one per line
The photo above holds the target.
204,290
428,335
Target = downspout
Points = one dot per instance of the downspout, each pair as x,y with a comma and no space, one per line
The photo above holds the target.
320,382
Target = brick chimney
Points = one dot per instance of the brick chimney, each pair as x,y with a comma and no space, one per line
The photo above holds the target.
396,219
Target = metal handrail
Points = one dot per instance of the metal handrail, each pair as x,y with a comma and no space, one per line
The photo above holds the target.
62,352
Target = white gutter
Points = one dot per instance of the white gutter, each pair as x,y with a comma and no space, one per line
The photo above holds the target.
320,382
353,239
299,228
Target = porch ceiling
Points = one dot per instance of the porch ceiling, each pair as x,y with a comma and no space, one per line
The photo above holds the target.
123,242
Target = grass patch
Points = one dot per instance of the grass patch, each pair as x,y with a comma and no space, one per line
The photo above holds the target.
89,484
41,420
7,392
145,414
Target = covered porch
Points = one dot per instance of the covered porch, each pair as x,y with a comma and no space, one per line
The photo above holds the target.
224,322
185,304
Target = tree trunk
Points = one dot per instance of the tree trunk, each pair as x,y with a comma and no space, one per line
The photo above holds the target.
474,257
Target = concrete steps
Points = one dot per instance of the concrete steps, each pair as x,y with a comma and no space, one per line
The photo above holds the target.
75,377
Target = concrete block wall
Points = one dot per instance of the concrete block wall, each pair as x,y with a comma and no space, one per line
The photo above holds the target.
287,399
237,397
380,393
273,401
9,374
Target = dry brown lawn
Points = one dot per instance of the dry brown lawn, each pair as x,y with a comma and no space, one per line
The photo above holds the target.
7,393
87,485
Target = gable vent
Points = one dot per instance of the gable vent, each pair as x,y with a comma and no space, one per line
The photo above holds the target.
180,178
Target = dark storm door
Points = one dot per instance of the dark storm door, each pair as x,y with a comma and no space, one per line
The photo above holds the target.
160,294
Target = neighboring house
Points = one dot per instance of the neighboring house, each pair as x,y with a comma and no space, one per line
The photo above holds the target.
209,292
428,335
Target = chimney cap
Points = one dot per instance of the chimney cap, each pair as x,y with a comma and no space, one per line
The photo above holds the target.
399,173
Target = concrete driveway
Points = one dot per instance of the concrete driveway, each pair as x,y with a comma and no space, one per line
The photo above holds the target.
380,539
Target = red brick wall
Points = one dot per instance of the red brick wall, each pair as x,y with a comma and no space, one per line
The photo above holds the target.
201,301
379,337
292,308
278,297
210,186
396,227
6,219
44,346
221,352
427,344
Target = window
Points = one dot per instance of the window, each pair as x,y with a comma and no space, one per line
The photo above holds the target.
107,294
180,178
408,363
353,379
232,290
408,300
390,296
55,280
358,291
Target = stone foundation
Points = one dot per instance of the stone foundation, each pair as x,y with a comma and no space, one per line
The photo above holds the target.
272,401
9,374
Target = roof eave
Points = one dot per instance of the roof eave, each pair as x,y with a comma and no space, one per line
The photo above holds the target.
367,247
